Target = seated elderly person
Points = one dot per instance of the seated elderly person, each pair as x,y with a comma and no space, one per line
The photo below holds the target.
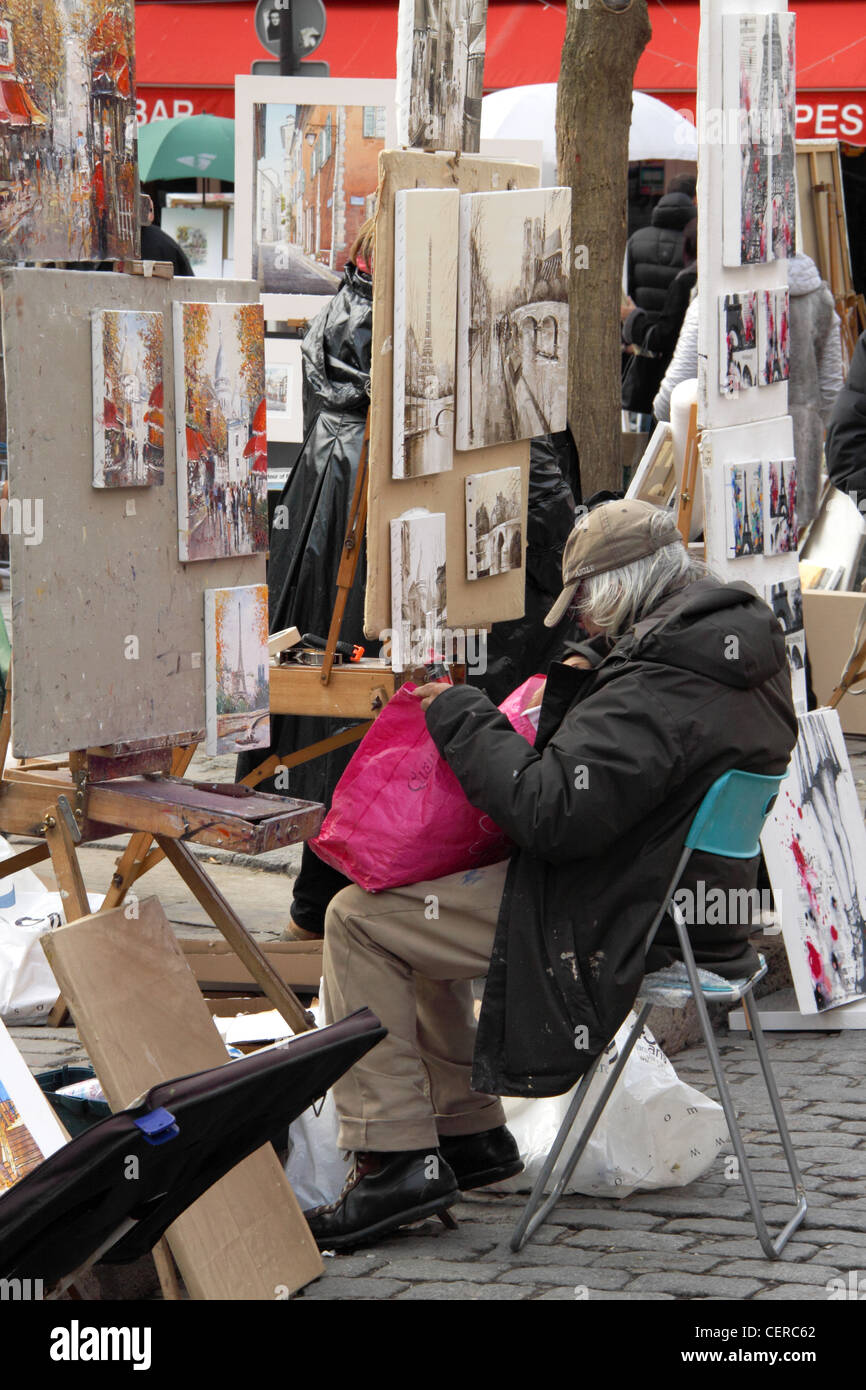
689,680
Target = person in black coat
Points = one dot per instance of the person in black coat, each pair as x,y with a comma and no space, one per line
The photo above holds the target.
157,245
653,333
845,447
654,254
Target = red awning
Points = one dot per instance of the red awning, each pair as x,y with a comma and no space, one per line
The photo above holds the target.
195,50
109,416
16,107
110,58
196,445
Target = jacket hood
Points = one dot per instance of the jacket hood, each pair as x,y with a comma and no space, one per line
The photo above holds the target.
674,210
722,631
336,349
803,274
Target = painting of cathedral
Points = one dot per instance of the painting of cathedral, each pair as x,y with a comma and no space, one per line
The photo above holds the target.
418,587
237,690
68,131
425,308
440,73
494,512
128,444
221,415
758,168
512,315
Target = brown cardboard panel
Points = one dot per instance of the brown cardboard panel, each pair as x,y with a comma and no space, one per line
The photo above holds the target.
215,965
142,1019
106,567
470,603
830,620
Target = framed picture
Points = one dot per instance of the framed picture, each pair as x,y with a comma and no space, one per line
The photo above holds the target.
237,696
306,173
198,232
29,1128
655,478
440,73
283,389
128,399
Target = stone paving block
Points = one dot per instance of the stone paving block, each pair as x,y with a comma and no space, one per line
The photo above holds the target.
565,1276
638,1261
691,1285
818,1217
626,1240
692,1203
603,1296
461,1291
833,1235
809,1273
407,1271
787,1293
843,1110
718,1227
613,1218
338,1287
751,1249
358,1264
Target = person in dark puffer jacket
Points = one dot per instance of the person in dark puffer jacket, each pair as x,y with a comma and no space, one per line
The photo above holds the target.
654,254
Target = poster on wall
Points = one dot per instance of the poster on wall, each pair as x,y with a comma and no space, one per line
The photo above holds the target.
494,534
68,147
418,587
306,173
128,442
425,307
814,845
440,73
512,315
237,688
759,183
222,452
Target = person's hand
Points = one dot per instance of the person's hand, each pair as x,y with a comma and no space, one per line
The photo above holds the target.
627,305
428,693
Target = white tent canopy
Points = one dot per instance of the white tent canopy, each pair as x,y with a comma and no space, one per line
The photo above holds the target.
529,113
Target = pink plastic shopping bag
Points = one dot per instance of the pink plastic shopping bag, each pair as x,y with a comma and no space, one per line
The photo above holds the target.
399,814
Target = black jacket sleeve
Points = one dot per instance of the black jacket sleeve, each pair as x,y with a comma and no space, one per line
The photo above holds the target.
603,771
657,332
846,434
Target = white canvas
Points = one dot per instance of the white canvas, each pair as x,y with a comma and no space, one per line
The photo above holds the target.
237,688
425,307
738,342
512,316
29,1128
306,173
222,451
814,844
795,651
128,398
440,73
494,534
418,586
745,510
284,389
199,233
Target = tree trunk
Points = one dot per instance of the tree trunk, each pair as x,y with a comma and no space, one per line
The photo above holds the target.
603,42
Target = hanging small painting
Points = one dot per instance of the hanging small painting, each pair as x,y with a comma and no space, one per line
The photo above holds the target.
237,690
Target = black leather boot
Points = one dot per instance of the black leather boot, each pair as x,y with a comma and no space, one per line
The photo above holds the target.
384,1191
479,1159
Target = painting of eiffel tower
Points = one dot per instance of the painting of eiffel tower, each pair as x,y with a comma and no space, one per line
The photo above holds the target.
425,309
745,510
236,679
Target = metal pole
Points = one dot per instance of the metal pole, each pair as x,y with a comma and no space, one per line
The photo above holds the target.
288,56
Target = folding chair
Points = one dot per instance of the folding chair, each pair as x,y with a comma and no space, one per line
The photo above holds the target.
728,822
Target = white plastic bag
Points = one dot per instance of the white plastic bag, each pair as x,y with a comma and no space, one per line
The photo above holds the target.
316,1168
655,1130
28,910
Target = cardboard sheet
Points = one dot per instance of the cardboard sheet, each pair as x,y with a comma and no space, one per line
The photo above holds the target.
142,1019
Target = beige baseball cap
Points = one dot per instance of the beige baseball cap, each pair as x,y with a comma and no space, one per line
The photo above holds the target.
608,537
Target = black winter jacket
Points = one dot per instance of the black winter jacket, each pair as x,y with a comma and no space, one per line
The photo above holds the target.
654,254
599,810
655,333
846,434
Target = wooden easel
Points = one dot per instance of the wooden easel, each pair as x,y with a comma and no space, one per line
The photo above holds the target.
690,477
855,666
826,239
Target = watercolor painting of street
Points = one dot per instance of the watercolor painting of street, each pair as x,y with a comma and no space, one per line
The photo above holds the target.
237,689
68,145
440,73
222,450
128,442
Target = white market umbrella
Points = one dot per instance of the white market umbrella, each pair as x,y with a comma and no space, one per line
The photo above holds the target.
529,113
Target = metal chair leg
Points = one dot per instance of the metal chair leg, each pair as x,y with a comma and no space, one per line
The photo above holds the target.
772,1248
531,1218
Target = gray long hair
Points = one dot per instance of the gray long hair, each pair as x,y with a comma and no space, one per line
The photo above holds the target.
619,598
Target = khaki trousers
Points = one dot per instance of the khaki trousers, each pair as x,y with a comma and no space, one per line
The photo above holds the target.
410,955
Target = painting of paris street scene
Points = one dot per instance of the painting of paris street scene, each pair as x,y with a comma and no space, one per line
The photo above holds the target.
68,161
237,690
512,318
425,303
315,172
222,450
494,535
418,587
128,444
440,44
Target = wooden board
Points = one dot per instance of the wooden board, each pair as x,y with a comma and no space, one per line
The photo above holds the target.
353,692
98,575
830,619
216,966
141,1018
470,604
